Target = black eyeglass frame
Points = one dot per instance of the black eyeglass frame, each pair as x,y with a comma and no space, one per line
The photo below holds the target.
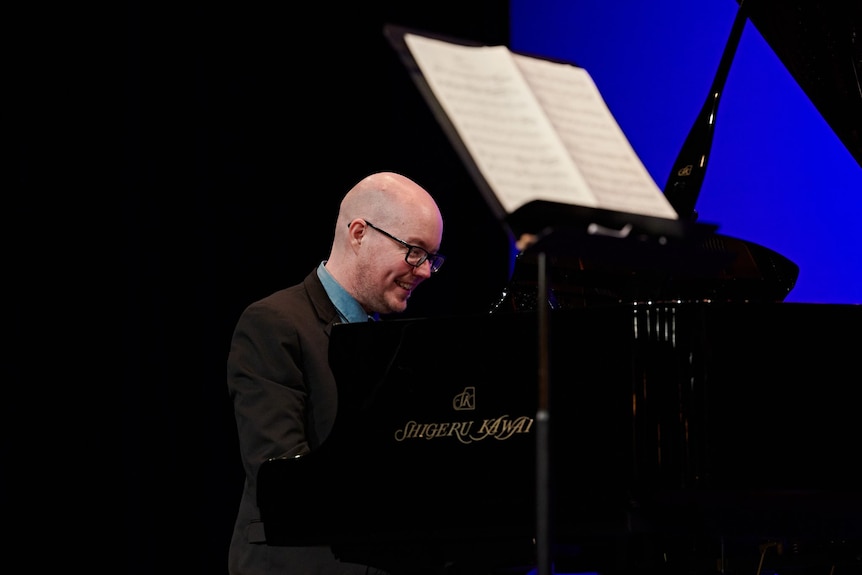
436,260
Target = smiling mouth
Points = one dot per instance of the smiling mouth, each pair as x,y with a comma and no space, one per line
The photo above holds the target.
405,285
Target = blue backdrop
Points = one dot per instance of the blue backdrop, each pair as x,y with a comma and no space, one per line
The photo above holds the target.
777,174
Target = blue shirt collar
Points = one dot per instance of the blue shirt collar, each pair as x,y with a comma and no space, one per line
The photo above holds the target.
348,308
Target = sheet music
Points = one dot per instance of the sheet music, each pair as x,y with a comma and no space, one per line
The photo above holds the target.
536,130
500,122
593,138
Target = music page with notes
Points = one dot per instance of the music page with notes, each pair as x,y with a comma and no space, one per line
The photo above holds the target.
537,129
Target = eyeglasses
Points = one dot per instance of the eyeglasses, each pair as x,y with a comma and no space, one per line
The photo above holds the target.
415,255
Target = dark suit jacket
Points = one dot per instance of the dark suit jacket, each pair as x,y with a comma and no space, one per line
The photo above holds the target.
285,402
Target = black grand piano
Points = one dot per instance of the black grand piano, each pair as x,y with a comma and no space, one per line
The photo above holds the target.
705,430
647,405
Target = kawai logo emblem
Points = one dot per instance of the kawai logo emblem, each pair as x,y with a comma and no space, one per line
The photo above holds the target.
466,400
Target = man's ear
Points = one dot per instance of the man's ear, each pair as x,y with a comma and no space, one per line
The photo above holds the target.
358,233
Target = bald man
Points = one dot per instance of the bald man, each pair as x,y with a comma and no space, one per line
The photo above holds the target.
385,244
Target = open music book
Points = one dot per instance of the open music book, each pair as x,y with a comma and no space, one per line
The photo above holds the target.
536,129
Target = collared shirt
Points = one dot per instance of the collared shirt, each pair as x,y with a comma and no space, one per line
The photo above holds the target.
348,308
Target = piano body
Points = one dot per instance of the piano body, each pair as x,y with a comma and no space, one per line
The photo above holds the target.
696,426
639,405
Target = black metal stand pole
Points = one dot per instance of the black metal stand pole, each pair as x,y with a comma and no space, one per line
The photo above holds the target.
543,505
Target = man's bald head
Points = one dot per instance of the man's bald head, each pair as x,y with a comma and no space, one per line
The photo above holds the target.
373,269
387,199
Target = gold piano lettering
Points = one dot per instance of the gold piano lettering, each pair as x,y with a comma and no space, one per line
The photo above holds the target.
503,428
414,430
499,428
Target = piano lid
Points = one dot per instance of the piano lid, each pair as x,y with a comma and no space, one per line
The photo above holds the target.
820,44
820,47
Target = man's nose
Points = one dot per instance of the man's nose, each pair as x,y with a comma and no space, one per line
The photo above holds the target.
423,269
